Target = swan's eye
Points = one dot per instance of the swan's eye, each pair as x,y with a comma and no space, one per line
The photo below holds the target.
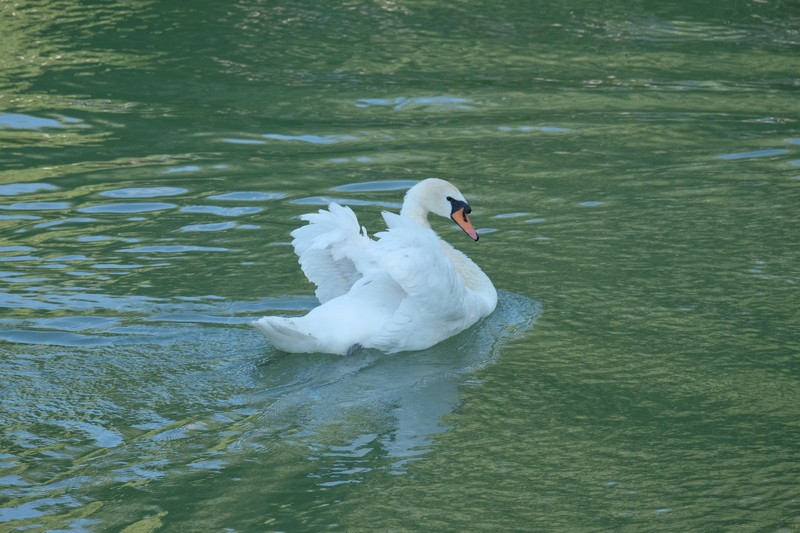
459,205
449,199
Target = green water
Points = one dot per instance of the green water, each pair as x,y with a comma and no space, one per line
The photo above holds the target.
634,171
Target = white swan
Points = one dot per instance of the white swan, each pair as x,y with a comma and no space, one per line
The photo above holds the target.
408,290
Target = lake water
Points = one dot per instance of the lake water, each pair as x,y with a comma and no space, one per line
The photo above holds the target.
634,171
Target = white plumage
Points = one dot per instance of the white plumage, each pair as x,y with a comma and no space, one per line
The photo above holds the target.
407,290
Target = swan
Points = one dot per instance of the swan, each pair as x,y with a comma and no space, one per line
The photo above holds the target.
407,290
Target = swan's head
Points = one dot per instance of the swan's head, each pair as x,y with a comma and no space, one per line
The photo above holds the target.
438,196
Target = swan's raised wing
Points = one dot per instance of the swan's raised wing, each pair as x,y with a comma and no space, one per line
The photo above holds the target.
332,250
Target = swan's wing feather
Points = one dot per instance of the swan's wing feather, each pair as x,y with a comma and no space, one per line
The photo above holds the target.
332,250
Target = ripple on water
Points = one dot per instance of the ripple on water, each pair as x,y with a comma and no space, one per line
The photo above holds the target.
173,248
105,238
144,192
754,154
221,211
326,200
400,103
103,437
313,139
19,121
73,323
510,215
19,217
530,129
115,266
127,208
15,278
36,508
181,170
219,226
71,220
13,189
81,301
208,464
248,196
70,257
36,206
376,186
19,258
61,338
234,140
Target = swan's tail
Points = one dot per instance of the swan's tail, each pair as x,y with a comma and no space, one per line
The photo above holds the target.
285,335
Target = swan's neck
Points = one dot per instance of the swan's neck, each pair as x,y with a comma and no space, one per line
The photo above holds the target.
472,275
415,212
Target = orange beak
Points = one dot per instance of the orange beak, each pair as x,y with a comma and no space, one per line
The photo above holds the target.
460,217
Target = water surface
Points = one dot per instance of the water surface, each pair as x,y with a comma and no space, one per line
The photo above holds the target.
635,175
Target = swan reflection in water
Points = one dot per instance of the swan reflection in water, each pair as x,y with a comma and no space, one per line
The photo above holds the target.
392,403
